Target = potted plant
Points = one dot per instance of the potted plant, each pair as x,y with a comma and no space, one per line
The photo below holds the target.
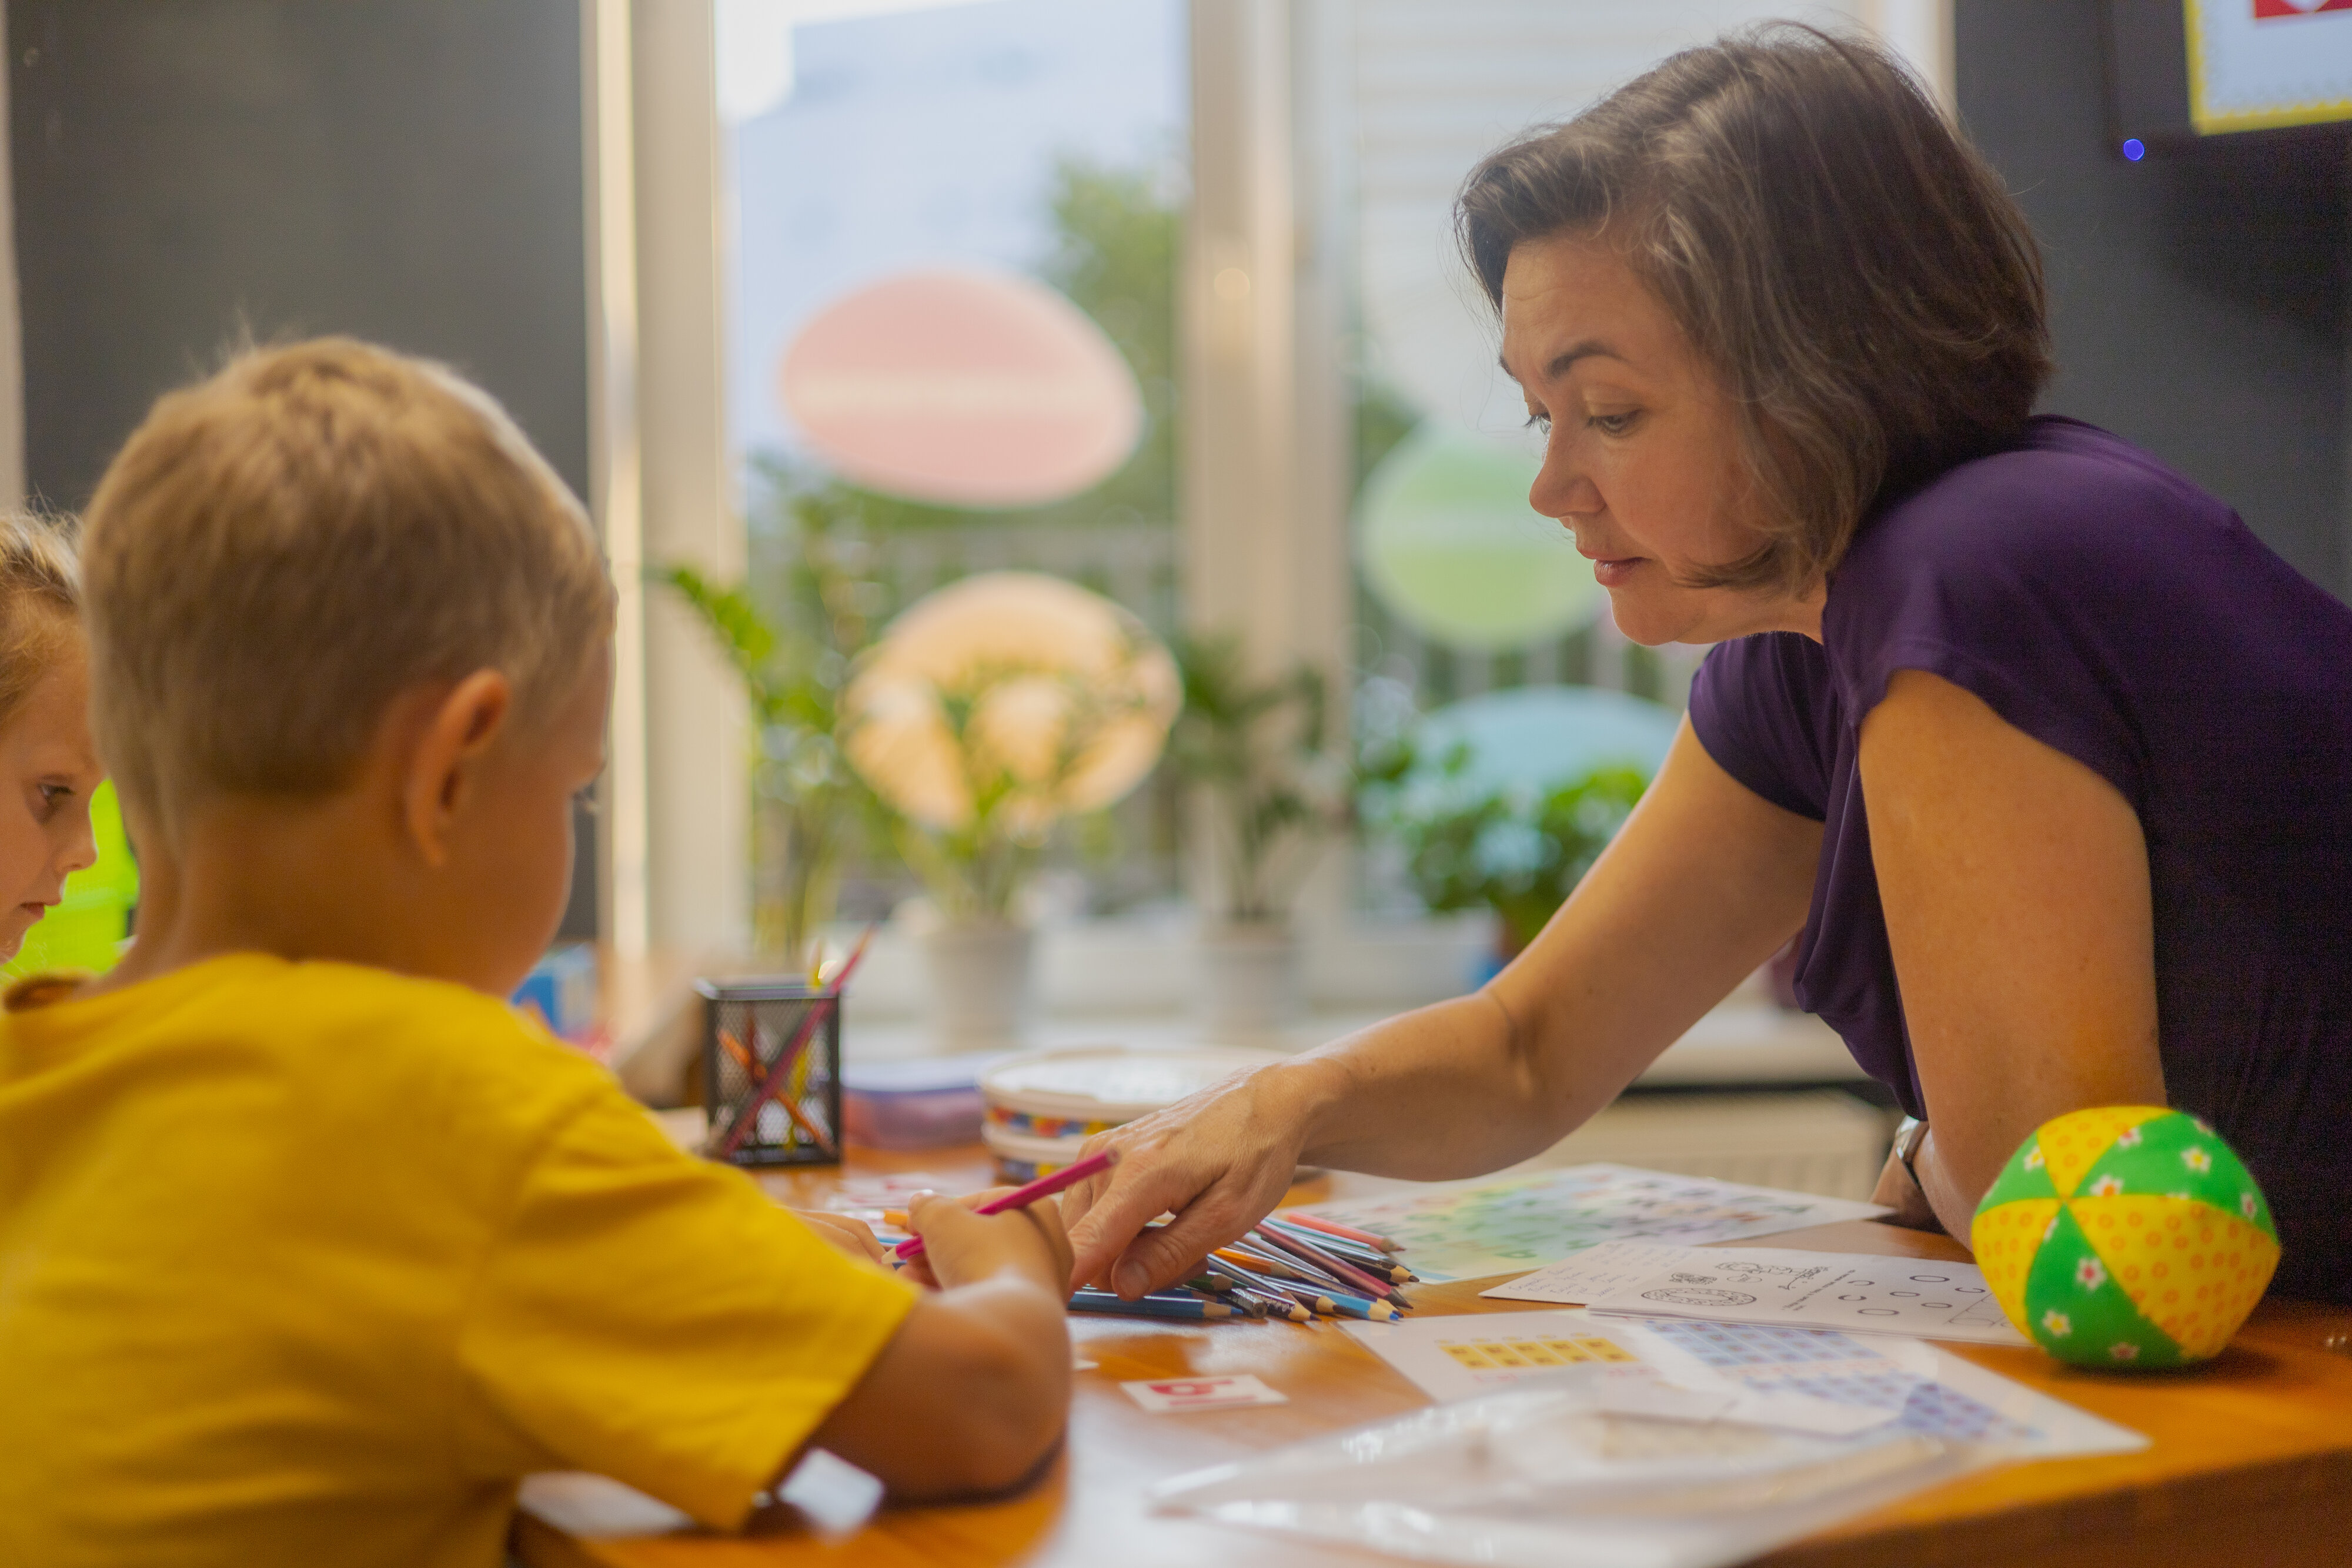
808,805
1518,851
1268,790
989,713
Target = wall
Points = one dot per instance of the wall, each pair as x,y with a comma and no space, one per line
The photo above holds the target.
189,171
2199,301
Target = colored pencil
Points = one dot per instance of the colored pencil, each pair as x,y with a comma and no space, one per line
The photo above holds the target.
1022,1197
1347,1274
1190,1307
1265,1261
1379,1265
778,1072
1306,1296
1345,1232
1278,1306
1358,1307
789,1102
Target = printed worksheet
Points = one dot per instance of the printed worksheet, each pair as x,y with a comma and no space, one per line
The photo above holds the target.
1860,1294
1914,1385
1466,1230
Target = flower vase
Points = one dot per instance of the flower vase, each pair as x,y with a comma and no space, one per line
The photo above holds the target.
978,974
1248,982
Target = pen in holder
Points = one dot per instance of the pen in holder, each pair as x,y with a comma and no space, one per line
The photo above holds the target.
771,1062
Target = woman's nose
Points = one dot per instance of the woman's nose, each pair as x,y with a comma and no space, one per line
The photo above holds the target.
1562,489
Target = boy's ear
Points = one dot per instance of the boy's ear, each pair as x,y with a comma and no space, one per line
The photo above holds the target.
445,764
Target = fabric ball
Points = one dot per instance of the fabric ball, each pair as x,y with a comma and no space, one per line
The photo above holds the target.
2126,1237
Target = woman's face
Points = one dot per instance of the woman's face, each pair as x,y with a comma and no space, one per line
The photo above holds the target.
48,770
1641,452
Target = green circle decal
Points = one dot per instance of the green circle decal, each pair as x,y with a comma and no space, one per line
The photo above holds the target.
1449,545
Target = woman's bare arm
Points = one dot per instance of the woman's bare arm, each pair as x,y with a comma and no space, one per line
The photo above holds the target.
2015,883
1706,879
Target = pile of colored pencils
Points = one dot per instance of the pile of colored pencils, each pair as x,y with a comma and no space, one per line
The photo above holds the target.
1297,1268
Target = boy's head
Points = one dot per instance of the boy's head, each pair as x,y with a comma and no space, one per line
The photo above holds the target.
286,559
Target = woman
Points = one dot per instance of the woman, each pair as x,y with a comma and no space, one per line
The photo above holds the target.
1784,332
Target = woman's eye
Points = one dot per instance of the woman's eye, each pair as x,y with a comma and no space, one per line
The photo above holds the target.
1611,424
1539,422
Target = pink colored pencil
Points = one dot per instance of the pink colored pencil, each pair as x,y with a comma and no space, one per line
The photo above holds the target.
1344,1232
781,1071
1347,1273
1022,1197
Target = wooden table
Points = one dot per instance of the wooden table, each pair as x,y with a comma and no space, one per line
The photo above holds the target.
2250,1463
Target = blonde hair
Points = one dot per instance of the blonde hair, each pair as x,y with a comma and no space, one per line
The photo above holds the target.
40,600
281,550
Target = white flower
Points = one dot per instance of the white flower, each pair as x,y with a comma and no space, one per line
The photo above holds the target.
2197,1160
2201,1124
2106,1186
2126,1351
2090,1273
2057,1325
2129,1138
2033,1160
2246,1204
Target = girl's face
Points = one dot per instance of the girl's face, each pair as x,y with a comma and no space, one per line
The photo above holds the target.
48,770
1642,453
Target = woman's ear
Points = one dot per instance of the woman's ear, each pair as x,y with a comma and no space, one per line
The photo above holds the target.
445,765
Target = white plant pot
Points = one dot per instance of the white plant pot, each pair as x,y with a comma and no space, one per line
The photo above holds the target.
979,974
1248,983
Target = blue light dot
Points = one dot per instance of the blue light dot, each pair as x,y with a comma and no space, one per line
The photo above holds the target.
2134,150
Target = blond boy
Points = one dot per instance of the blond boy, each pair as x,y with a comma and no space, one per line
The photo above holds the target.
310,1249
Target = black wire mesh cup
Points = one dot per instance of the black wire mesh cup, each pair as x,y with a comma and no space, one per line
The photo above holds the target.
772,1071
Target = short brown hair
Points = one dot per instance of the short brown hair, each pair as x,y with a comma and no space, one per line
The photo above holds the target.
281,549
40,600
1856,273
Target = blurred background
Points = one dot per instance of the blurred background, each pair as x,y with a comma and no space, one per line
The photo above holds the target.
826,305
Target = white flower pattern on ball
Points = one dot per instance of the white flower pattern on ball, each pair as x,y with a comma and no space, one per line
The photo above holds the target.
2124,1350
2057,1325
2106,1186
2090,1273
2197,1160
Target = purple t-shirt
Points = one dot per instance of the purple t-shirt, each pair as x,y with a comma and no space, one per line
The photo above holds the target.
2107,607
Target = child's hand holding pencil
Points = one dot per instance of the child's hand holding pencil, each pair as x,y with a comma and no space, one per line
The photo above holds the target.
962,1247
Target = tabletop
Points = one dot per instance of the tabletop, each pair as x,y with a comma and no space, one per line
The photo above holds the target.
2250,1460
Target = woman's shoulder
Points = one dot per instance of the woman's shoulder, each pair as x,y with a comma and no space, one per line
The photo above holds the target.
2063,494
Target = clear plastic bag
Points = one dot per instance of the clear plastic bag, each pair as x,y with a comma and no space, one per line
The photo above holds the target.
1551,1476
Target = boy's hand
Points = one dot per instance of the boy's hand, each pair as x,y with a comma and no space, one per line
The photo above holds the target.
960,1248
844,1234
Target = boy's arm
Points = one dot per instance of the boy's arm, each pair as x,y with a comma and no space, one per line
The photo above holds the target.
971,1392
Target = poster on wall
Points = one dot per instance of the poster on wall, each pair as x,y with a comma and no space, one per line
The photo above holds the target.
2257,65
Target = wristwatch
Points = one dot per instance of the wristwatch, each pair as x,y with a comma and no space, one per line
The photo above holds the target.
1908,1139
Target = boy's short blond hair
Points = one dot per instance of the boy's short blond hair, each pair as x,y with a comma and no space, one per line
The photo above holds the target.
281,549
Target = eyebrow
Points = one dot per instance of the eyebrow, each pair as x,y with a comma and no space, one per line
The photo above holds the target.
1590,348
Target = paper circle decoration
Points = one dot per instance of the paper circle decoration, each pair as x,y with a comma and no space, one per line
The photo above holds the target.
2126,1237
963,389
1449,545
1008,682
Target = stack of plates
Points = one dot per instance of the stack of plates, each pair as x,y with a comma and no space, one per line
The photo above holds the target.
1044,1105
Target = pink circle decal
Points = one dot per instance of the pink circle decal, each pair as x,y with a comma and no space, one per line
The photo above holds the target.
965,389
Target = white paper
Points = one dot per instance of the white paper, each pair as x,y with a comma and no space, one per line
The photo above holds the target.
1852,1291
1907,1382
1466,1230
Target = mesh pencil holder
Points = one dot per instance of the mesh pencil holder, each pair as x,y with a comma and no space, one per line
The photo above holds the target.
772,1068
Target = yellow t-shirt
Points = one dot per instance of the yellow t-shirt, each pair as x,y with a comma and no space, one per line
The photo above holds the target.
308,1263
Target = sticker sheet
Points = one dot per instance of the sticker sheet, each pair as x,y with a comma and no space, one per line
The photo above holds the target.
1858,1294
1467,1231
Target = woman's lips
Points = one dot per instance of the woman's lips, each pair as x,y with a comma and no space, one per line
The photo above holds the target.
1615,572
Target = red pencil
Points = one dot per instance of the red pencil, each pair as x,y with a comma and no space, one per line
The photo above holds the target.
1347,1273
1022,1197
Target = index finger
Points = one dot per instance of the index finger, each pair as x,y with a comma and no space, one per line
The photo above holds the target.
1137,1192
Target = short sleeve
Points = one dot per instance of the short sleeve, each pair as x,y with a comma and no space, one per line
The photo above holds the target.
2052,587
655,1318
1764,708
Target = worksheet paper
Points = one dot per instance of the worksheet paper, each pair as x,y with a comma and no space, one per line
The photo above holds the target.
1466,1230
1858,1294
1908,1383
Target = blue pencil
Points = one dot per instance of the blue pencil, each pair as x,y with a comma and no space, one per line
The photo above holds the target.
1166,1305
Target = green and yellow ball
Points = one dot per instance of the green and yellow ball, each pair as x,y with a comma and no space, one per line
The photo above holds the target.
2126,1237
